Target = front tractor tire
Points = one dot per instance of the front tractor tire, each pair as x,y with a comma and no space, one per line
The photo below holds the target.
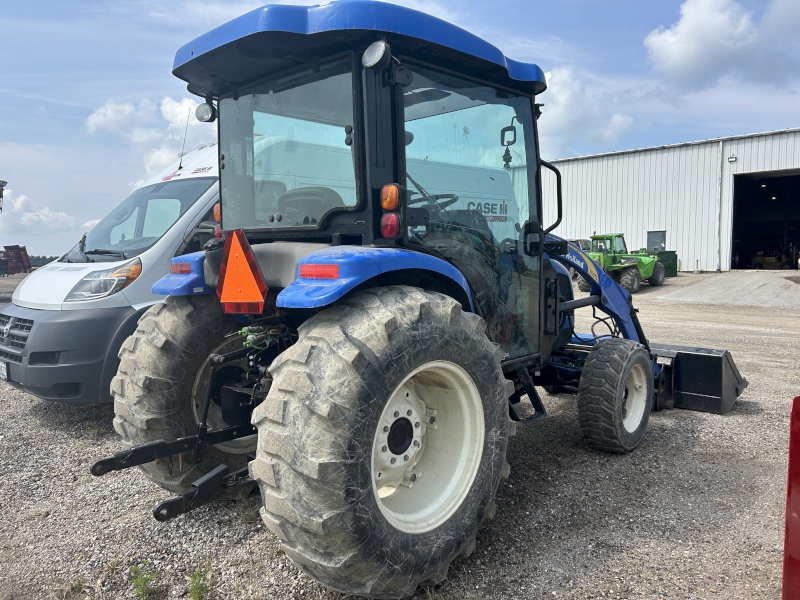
382,441
615,395
630,279
156,387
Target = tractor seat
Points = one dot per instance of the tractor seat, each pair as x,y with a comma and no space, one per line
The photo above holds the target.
469,219
309,202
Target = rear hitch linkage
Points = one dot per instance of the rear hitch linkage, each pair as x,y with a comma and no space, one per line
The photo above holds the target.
211,485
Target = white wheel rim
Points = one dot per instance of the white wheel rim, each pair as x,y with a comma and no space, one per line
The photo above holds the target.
214,420
634,398
438,460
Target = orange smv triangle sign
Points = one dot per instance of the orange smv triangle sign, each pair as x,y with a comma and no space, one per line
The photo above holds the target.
240,284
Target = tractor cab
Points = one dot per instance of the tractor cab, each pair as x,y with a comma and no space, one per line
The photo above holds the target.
381,136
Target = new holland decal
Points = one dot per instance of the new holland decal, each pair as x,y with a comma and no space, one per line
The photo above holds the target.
583,262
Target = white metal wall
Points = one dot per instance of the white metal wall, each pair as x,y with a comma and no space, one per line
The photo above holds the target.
686,189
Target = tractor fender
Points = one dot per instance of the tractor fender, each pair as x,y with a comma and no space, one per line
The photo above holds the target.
191,283
346,267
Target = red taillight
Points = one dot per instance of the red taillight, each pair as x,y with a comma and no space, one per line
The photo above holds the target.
180,268
319,271
218,231
242,308
390,226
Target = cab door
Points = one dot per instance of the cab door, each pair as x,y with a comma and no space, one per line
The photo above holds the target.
469,150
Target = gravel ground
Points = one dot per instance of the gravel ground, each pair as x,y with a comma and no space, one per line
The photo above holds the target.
695,512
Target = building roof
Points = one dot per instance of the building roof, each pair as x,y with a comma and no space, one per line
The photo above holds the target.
343,18
680,144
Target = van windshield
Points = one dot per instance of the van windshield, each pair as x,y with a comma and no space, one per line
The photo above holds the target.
139,221
286,149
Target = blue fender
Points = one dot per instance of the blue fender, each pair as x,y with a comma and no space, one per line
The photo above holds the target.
184,284
358,264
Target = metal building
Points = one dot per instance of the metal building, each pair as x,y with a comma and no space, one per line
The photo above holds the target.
722,201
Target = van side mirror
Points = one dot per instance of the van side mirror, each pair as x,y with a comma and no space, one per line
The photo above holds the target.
532,238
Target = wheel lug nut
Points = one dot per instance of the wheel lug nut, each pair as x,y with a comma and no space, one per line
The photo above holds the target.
408,412
394,460
405,457
385,428
416,443
416,424
396,413
383,449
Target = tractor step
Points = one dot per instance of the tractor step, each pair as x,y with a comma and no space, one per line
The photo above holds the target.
701,379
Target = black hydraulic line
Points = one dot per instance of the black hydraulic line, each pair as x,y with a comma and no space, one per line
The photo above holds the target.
639,331
578,303
139,455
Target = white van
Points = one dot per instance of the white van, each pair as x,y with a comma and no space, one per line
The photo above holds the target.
60,336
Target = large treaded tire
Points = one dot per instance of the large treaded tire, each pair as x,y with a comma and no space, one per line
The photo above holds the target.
318,424
630,279
602,395
659,273
583,285
153,387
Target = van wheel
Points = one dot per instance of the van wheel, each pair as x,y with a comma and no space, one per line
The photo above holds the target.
160,379
382,441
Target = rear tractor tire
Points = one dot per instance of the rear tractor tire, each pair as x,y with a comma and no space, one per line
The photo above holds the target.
630,279
659,273
157,387
382,441
583,285
615,395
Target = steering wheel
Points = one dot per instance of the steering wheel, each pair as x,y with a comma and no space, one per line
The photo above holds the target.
440,200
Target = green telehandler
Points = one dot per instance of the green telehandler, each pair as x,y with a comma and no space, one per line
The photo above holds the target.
628,268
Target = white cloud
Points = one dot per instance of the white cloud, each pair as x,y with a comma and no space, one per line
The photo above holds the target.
155,130
26,216
713,38
572,115
90,224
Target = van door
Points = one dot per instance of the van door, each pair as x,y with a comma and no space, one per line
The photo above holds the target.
477,194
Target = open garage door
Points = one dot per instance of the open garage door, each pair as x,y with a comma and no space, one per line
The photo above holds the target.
766,220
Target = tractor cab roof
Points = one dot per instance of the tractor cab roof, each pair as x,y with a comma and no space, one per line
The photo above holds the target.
278,37
606,236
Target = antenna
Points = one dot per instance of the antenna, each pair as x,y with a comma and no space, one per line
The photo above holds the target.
180,164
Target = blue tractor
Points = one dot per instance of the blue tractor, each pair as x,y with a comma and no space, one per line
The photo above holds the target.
385,295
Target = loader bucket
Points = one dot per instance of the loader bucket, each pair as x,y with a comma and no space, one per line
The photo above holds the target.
701,379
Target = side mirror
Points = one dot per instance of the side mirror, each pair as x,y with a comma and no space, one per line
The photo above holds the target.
204,231
508,136
532,238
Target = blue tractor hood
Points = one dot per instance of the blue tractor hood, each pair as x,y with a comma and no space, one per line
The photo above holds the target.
277,37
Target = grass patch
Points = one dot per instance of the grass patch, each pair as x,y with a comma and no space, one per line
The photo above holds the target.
248,510
199,588
70,591
142,581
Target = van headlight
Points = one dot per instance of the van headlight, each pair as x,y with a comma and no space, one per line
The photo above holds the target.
100,284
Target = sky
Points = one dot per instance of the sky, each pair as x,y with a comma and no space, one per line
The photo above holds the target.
89,108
